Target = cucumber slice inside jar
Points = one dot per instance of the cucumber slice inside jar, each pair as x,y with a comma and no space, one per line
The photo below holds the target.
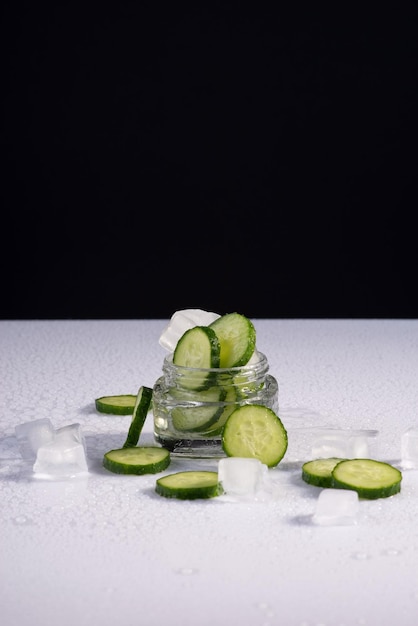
197,349
202,419
230,403
318,472
255,431
203,409
371,479
237,337
189,485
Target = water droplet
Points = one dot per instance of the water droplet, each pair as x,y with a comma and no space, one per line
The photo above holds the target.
22,519
360,556
187,571
392,552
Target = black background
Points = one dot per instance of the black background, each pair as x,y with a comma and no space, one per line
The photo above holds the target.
220,157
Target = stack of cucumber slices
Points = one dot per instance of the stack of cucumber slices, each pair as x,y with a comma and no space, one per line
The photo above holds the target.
227,342
207,357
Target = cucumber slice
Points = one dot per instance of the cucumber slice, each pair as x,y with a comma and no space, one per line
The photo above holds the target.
205,420
140,460
198,348
189,485
371,479
319,471
116,405
255,431
229,405
237,337
197,417
142,405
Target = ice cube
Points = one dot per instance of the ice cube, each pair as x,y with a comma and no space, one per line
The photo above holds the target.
342,443
64,456
180,322
241,476
255,358
409,448
32,435
314,442
336,507
71,433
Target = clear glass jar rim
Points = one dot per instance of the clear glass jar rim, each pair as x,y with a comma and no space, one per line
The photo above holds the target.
253,367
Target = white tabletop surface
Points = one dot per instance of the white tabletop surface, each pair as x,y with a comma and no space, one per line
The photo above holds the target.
106,549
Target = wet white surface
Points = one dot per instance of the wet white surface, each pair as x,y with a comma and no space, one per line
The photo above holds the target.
105,549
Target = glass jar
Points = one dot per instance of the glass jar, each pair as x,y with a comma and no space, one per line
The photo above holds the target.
191,405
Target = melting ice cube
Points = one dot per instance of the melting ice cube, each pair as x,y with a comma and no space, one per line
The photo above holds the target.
70,433
409,448
336,507
61,458
55,452
32,435
314,442
346,443
65,455
241,476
